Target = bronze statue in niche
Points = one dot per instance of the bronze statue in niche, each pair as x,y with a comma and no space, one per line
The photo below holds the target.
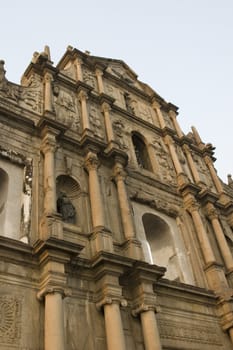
66,208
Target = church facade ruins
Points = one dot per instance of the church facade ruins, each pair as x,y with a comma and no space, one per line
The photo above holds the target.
115,229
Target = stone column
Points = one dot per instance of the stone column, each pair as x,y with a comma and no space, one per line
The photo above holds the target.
206,248
133,246
173,115
213,174
48,99
126,213
113,325
159,114
175,159
219,234
141,281
79,73
54,321
85,118
150,331
108,124
99,75
97,210
48,148
192,165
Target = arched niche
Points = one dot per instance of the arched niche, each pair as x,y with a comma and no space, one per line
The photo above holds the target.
68,193
141,152
159,246
4,182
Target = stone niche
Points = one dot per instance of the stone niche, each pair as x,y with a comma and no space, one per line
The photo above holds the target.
162,243
15,196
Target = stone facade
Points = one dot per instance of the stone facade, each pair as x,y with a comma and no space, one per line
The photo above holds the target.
115,230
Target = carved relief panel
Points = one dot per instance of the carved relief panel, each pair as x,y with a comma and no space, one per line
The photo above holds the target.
115,93
28,96
67,108
120,134
183,162
89,77
145,112
96,121
167,120
166,169
203,172
31,95
69,70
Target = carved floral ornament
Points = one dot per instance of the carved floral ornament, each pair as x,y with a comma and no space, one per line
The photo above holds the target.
10,320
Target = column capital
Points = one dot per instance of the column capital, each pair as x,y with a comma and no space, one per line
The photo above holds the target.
168,140
98,71
105,107
78,61
144,307
191,205
65,292
119,172
82,95
186,149
155,104
48,143
172,113
211,211
91,161
48,77
208,160
109,300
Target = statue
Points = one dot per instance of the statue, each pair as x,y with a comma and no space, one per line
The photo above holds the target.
66,208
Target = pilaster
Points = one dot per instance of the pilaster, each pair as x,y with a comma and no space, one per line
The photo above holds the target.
48,96
101,238
132,246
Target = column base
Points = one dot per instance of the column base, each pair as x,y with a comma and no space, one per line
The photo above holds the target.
101,240
216,279
51,226
133,249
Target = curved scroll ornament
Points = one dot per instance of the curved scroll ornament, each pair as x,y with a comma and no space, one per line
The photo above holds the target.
10,319
29,97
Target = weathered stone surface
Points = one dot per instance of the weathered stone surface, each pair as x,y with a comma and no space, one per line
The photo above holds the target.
115,230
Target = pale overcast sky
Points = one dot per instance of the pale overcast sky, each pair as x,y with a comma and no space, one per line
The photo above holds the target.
182,48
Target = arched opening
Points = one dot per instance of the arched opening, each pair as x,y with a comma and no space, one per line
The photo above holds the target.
159,248
4,181
141,153
68,191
